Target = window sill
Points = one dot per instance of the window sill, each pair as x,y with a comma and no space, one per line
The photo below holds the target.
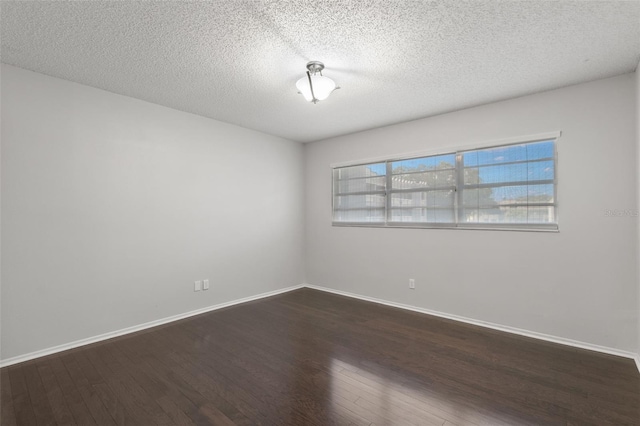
476,227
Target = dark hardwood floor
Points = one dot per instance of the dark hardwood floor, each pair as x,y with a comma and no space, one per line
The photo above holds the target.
313,358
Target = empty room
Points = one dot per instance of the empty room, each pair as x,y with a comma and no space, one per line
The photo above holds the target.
330,212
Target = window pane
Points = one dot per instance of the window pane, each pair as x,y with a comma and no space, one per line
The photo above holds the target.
426,175
509,184
422,215
517,194
541,214
434,199
541,170
447,161
358,201
358,193
483,215
512,185
409,199
366,170
538,150
494,174
431,179
365,215
524,171
475,198
506,154
429,206
511,215
495,155
541,194
528,214
370,184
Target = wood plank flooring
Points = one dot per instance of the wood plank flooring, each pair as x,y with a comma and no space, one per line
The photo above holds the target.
314,358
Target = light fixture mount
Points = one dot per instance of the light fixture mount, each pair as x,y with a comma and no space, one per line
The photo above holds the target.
314,86
315,67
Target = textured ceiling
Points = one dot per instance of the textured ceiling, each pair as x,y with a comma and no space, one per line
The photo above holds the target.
238,61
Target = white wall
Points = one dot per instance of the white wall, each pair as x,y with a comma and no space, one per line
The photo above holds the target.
637,178
112,207
577,284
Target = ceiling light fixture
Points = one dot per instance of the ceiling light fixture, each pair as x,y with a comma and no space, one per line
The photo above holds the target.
315,87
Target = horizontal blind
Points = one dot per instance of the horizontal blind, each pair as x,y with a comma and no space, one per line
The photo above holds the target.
422,190
359,193
509,185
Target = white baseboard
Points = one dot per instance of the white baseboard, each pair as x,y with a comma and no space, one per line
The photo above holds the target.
133,329
499,327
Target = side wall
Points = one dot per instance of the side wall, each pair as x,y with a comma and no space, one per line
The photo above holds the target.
578,284
637,179
112,207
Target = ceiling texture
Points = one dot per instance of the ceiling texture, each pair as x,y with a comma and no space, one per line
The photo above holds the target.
238,61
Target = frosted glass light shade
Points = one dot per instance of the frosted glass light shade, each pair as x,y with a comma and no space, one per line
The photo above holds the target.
322,87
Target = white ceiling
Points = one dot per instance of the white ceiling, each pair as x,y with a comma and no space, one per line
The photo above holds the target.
238,61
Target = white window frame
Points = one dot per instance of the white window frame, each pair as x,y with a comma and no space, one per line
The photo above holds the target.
458,152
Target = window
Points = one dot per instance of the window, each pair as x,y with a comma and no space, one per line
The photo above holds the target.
359,193
510,186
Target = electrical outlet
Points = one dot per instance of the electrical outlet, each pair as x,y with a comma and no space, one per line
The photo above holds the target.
412,284
197,285
205,284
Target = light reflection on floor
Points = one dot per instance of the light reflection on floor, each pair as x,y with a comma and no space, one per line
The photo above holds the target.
364,397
